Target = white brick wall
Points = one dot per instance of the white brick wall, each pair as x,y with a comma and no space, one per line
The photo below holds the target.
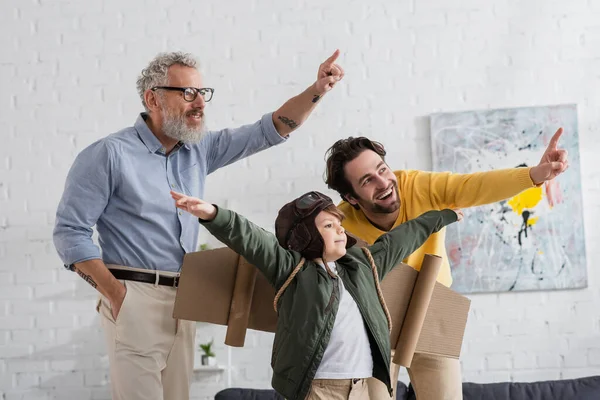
68,70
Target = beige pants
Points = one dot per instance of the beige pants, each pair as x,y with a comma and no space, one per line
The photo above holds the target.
432,377
338,389
150,354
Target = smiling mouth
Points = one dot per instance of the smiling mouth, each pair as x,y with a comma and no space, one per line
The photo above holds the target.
386,194
195,114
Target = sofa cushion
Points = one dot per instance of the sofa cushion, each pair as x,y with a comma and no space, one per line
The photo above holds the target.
247,394
580,389
263,394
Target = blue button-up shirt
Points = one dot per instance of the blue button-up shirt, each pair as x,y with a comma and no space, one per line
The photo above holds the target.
121,184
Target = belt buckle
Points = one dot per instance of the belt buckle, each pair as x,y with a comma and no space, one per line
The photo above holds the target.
176,281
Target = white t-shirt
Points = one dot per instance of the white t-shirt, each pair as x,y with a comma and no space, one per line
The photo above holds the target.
348,353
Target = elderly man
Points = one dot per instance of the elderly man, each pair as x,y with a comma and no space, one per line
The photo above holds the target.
121,184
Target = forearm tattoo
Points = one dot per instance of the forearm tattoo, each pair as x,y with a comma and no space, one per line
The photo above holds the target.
316,98
289,122
87,278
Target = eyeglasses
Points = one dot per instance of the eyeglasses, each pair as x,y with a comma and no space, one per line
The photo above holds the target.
190,93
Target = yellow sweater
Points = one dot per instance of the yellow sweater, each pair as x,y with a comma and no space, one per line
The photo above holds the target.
421,191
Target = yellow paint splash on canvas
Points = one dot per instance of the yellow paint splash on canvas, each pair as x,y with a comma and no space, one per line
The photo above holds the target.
526,200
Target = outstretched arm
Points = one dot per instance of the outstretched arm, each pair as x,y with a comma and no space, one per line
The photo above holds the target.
393,247
256,245
296,110
447,190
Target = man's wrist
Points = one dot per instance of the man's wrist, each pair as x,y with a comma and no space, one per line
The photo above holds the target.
535,175
118,293
314,92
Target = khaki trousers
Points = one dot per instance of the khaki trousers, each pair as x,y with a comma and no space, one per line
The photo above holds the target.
338,389
432,377
150,354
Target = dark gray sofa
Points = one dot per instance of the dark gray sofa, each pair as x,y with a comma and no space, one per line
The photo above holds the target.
569,389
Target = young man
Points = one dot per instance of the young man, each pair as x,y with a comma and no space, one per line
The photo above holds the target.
121,184
378,199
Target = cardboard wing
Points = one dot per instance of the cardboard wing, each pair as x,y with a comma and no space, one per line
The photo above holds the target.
427,316
220,287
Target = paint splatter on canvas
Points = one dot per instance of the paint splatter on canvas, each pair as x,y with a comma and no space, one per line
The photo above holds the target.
534,240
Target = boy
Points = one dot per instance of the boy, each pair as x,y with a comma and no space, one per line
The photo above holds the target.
333,325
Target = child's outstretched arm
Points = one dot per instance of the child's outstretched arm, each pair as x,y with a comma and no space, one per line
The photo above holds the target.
252,242
393,247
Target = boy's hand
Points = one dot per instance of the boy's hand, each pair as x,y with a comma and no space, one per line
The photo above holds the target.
459,214
196,207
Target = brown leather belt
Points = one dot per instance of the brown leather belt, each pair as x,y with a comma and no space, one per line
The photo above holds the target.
145,277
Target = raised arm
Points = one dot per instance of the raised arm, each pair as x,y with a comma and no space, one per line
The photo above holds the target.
449,190
252,242
232,144
296,110
229,145
393,247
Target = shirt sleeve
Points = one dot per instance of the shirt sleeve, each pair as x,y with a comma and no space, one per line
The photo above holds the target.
255,244
448,190
88,187
229,145
393,247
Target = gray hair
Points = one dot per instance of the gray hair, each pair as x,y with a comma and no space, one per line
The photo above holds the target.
155,74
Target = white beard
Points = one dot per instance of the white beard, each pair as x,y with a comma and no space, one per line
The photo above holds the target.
175,127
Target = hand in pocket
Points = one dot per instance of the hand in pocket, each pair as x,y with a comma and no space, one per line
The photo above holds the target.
115,306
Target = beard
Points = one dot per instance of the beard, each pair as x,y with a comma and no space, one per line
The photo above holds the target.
376,208
175,126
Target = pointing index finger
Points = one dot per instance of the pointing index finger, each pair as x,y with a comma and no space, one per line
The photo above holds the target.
554,141
332,58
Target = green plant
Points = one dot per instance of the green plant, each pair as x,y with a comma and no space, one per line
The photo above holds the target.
207,349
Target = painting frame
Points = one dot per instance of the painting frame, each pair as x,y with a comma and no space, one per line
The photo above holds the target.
532,241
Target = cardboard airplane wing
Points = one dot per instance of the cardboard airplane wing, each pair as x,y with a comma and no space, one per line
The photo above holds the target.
220,287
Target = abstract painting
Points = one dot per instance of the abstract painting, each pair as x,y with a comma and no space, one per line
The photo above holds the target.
534,240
